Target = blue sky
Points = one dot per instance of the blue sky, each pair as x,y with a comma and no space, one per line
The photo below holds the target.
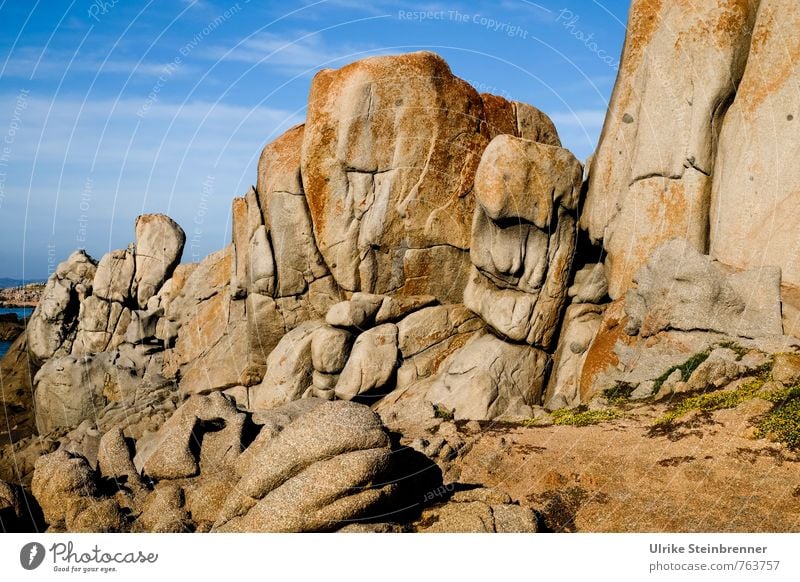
111,108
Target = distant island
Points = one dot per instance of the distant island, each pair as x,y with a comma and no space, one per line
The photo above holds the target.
20,295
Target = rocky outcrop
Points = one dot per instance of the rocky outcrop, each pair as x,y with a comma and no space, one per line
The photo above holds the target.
681,289
300,468
52,326
756,182
389,156
684,304
650,178
323,470
523,238
159,246
478,511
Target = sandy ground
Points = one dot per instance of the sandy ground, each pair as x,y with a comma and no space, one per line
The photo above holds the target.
708,474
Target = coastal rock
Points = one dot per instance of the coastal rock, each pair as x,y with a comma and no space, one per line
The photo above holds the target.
372,362
478,511
383,171
358,312
320,472
203,422
756,180
523,238
289,369
53,323
59,480
159,246
114,277
650,178
330,348
490,379
246,220
681,289
286,215
580,326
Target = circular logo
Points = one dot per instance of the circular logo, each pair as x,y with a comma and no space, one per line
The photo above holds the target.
31,555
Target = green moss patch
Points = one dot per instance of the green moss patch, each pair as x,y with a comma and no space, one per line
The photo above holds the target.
619,394
582,416
685,368
711,401
782,423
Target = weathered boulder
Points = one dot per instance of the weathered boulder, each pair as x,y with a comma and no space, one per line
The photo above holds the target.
246,220
72,389
211,349
52,326
523,237
286,215
289,369
477,511
650,177
372,363
204,433
101,325
164,511
580,326
489,379
113,280
68,391
390,151
681,289
358,312
427,337
323,470
330,349
159,246
59,480
756,179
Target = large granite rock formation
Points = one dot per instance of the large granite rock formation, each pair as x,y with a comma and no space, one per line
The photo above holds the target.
389,157
650,179
757,180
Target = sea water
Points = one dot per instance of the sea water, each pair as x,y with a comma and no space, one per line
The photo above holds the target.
21,312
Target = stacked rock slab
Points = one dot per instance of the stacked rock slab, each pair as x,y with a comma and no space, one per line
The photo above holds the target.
523,241
308,466
523,238
277,266
650,179
757,178
582,320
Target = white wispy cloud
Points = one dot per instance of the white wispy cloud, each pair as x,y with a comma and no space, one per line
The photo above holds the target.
39,63
589,119
292,54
